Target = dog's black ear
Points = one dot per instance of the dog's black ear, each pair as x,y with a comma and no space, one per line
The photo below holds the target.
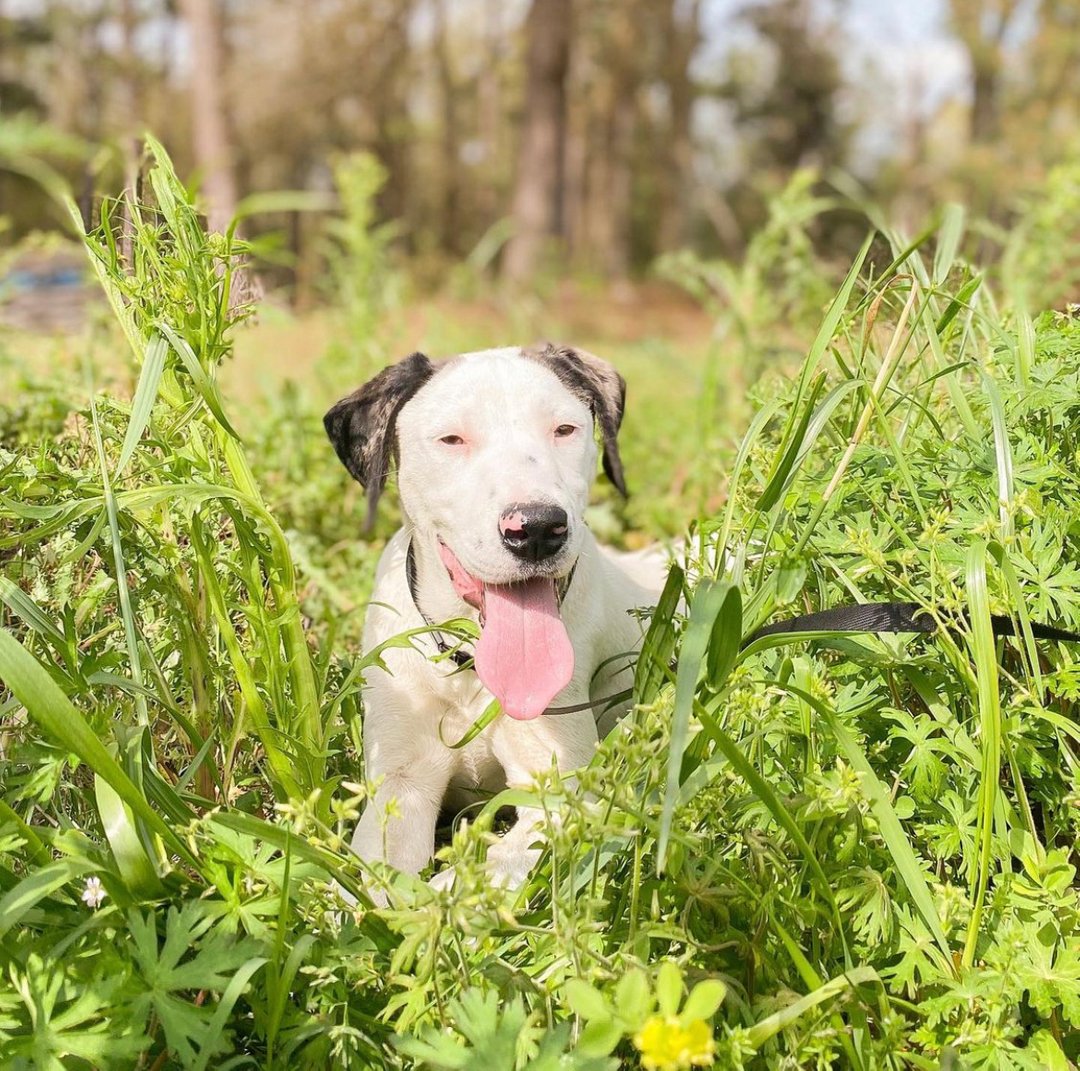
600,387
362,425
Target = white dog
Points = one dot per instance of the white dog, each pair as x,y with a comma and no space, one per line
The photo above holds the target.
495,454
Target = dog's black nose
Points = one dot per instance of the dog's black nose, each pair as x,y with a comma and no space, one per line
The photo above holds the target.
534,530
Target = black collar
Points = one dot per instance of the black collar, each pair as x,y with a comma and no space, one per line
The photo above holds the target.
457,654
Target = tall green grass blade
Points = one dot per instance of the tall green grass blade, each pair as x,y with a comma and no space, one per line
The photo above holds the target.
768,1027
203,384
958,303
1025,346
785,461
142,403
753,433
1002,457
988,703
211,1041
35,887
1018,606
831,322
709,600
135,866
122,589
658,648
279,994
20,604
950,232
490,713
52,710
281,762
798,416
725,640
36,847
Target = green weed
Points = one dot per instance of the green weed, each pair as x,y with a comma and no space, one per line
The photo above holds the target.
823,850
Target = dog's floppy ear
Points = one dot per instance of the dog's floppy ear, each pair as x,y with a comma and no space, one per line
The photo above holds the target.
361,426
600,387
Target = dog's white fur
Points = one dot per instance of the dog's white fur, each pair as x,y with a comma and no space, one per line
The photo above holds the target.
505,406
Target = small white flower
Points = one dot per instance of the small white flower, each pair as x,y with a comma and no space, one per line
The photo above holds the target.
94,893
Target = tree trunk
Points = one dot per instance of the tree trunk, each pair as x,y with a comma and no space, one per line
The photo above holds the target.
984,103
450,141
682,39
393,127
489,92
538,187
614,125
213,151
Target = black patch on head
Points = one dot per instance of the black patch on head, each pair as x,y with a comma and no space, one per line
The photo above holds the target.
600,387
362,425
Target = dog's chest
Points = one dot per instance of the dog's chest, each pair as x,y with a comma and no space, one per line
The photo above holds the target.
464,701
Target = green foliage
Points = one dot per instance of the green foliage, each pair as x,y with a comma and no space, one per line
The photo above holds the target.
825,850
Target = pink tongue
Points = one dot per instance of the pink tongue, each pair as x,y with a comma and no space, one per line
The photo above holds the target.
523,655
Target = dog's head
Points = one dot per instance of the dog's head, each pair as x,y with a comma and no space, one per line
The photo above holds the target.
492,449
495,454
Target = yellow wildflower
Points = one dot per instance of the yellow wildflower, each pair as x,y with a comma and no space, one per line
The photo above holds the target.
667,1044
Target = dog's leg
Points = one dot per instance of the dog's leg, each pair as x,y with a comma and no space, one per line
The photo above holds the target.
526,749
410,771
398,824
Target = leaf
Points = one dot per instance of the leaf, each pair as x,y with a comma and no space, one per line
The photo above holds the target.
202,382
709,599
490,713
599,1037
989,707
795,449
704,1000
725,640
24,607
633,1001
194,956
135,866
669,987
582,999
658,647
142,404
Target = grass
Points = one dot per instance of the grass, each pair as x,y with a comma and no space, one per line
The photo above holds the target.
817,851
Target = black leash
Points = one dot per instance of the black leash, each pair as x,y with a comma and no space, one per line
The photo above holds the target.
859,617
893,617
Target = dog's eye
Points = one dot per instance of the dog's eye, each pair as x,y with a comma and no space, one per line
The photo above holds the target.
452,440
564,431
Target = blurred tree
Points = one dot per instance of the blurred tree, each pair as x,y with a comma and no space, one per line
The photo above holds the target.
450,134
983,27
681,39
782,89
538,185
790,116
209,124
